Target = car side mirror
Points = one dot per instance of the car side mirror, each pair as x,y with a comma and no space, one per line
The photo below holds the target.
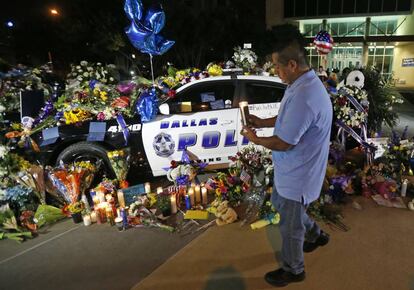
164,109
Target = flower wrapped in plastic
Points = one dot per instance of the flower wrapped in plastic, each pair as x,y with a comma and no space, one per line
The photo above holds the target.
256,171
71,182
47,214
120,162
184,171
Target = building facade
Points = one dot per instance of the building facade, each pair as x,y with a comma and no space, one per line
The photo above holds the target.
377,33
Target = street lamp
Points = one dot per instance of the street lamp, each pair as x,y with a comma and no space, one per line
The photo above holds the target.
54,12
9,24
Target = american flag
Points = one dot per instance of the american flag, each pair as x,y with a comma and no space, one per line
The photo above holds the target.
323,42
245,177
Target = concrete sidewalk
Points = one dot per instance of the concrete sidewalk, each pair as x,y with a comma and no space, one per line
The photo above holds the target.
376,254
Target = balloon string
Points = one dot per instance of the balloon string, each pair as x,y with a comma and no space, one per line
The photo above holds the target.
152,71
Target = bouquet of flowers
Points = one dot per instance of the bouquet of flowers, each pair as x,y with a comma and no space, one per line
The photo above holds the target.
347,111
254,164
19,198
228,187
34,178
245,58
184,171
9,229
71,182
120,162
399,154
18,80
85,72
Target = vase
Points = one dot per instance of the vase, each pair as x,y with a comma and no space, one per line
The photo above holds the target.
77,218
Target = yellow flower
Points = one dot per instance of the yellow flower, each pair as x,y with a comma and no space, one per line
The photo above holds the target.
96,92
180,75
215,70
218,191
104,96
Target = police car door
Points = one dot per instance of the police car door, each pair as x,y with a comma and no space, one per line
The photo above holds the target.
264,95
201,120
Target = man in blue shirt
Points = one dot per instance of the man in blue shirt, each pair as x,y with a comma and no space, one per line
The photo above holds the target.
300,146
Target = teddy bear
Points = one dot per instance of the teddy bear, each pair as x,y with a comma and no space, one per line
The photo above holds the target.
225,214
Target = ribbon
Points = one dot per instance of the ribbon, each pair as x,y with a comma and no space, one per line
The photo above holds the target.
126,88
121,122
370,149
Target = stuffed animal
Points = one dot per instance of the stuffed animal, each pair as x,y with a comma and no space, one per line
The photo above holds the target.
225,214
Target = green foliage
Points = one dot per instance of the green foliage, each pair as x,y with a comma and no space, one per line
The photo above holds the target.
382,95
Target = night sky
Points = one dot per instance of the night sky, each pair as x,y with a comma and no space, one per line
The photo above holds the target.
204,31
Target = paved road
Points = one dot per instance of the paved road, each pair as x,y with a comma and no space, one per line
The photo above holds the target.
98,257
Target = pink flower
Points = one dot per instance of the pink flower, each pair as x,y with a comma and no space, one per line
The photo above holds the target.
100,116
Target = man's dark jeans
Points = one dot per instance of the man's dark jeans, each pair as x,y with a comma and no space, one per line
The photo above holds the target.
295,227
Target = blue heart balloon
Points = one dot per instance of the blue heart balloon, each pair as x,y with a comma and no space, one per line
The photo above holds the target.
155,19
133,9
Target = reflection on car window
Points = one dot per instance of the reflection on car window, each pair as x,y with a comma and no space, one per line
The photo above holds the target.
214,95
263,92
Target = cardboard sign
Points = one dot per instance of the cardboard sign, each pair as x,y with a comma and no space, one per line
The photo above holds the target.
97,131
50,136
131,192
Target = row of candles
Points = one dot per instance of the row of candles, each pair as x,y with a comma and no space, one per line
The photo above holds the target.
195,194
105,210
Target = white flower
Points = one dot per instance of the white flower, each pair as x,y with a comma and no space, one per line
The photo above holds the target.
111,79
3,151
79,78
84,63
2,108
85,74
78,67
98,64
90,68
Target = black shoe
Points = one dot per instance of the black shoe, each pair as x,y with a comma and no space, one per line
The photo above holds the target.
281,278
322,240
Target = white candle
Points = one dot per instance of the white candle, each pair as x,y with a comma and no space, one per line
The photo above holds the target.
404,188
173,204
147,187
191,194
121,199
244,110
197,194
204,195
159,190
87,220
93,217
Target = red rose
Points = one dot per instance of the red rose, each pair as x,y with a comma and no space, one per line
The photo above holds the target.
171,94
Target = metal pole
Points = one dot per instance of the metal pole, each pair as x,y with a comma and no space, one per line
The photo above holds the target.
365,46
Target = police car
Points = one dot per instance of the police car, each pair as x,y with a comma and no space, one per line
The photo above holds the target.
203,118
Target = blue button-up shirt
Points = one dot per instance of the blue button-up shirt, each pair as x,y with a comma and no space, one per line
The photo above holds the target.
304,120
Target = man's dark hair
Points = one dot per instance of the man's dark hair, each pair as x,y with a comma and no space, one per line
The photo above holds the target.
287,41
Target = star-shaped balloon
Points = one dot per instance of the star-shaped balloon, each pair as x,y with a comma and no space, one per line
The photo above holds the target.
145,28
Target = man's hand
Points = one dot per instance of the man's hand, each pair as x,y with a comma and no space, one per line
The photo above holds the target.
249,133
255,121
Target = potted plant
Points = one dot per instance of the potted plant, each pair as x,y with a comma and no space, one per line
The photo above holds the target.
164,204
75,209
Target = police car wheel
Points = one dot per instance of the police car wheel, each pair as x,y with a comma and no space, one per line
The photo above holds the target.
86,151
